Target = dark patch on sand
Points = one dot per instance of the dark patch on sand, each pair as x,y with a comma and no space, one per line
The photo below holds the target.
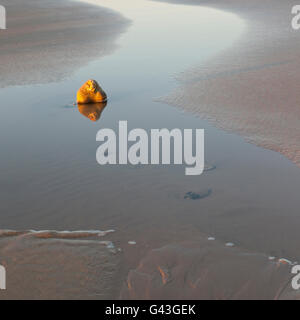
198,195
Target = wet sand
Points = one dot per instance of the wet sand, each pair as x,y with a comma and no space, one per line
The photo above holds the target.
59,265
160,247
48,40
85,265
207,269
252,88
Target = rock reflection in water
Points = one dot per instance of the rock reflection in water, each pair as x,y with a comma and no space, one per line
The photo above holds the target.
92,111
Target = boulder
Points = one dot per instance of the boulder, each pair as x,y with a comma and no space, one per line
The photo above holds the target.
91,92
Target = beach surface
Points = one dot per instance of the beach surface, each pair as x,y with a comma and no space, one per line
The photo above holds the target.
46,41
237,238
252,88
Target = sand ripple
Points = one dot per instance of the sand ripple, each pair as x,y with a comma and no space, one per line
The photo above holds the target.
56,234
252,88
207,270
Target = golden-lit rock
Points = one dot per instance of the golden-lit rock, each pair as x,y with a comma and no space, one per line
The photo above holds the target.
92,110
91,92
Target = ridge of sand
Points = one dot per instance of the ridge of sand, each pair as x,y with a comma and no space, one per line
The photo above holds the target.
252,88
47,40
